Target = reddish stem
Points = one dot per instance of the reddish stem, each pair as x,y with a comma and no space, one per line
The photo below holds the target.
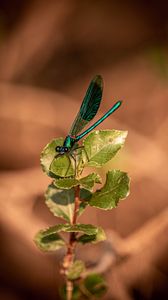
77,203
69,257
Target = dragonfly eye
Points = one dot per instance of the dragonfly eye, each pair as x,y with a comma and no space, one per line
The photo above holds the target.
57,149
66,149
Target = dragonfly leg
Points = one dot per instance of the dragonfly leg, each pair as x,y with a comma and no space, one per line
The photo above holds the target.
58,155
74,158
86,154
83,148
68,165
55,157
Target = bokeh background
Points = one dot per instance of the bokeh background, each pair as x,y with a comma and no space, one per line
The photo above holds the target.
49,52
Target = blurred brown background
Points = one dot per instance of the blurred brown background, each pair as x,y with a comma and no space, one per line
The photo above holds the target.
49,52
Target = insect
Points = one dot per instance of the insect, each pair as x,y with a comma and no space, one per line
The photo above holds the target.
87,112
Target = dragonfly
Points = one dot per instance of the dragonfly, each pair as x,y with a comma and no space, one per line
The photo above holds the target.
87,112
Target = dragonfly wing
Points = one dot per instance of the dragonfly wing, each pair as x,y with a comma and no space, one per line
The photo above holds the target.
89,106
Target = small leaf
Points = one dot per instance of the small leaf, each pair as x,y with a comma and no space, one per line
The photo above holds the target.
100,236
85,182
115,189
66,183
84,239
61,203
75,270
101,146
95,238
52,166
48,242
89,181
94,285
81,228
76,293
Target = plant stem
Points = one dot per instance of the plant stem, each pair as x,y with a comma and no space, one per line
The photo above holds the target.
69,289
77,203
69,257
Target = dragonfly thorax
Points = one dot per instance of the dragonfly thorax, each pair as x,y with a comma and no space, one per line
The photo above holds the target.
67,145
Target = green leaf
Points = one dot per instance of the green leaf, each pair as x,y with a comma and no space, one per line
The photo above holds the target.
94,285
75,270
61,203
95,238
115,189
85,195
101,146
62,166
76,293
66,183
48,154
85,182
81,228
89,181
53,167
48,241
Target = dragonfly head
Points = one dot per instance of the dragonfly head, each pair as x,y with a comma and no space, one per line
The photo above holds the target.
61,149
67,145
